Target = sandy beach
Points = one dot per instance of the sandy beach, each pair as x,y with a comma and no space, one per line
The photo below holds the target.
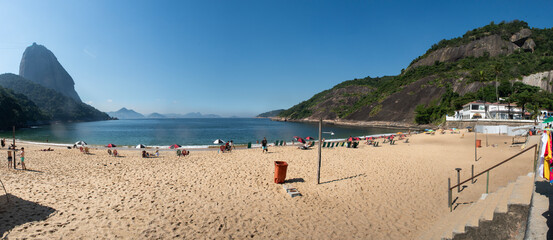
386,192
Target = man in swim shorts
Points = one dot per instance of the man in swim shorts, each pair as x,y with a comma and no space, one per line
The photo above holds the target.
22,154
264,146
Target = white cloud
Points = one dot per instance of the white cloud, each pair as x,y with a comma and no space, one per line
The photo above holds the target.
109,100
89,53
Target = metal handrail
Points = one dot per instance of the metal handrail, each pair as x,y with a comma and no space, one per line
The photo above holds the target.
449,188
514,156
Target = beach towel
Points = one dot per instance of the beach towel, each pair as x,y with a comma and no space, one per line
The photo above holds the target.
547,158
543,145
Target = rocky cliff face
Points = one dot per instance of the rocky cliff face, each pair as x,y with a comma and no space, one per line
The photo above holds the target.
39,65
493,45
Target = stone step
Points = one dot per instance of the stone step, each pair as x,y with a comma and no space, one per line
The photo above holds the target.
471,217
502,205
487,214
518,192
441,225
522,194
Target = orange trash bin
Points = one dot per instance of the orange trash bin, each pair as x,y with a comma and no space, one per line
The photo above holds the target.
478,143
280,171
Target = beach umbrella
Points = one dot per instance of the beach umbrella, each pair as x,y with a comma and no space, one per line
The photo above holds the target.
309,138
111,145
356,138
175,146
218,141
301,140
350,139
140,146
548,120
399,133
80,143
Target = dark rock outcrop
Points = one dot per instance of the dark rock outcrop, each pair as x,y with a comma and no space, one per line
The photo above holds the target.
39,65
521,36
493,45
529,44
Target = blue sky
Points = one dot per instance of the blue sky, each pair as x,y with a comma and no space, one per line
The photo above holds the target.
236,57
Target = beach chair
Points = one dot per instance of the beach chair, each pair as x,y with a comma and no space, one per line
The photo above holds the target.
392,142
332,146
179,153
312,144
406,140
324,144
249,144
355,144
276,143
349,144
342,144
281,142
375,144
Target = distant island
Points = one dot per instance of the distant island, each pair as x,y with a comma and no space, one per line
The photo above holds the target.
125,113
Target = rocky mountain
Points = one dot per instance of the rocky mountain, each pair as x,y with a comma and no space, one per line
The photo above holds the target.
125,113
273,113
450,74
55,105
41,66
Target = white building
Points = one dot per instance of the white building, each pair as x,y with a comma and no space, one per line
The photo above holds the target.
486,110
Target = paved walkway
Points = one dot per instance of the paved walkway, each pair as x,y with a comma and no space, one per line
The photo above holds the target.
540,219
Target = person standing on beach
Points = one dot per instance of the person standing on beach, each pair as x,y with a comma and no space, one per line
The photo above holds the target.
3,142
22,154
9,158
264,145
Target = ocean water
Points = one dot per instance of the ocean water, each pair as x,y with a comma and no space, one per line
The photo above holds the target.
186,132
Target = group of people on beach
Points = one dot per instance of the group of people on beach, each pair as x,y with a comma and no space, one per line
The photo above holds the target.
11,156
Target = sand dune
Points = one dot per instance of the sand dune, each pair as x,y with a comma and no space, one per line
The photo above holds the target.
388,192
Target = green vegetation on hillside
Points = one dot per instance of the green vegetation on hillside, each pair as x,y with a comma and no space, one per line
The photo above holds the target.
470,69
529,98
56,106
17,110
273,113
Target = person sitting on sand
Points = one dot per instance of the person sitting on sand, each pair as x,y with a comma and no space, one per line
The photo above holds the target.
157,153
144,154
305,146
115,153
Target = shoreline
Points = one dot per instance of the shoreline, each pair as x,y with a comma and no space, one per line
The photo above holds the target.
351,123
190,147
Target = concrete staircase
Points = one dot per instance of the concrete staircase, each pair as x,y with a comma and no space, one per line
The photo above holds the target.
499,215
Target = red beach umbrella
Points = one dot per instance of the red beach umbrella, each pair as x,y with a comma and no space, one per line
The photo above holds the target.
111,145
309,138
350,139
356,139
175,146
296,137
301,140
